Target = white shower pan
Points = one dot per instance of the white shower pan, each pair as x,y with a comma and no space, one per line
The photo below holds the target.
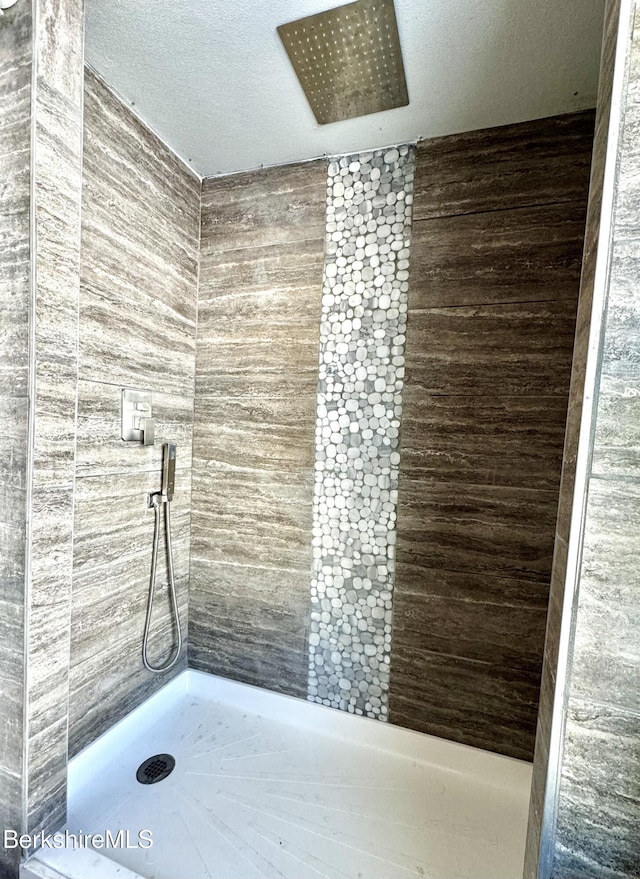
268,786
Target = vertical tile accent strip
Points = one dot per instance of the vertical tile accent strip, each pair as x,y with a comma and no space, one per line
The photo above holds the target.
362,336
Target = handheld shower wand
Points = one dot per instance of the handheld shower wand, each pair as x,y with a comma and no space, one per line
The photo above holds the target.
157,500
168,472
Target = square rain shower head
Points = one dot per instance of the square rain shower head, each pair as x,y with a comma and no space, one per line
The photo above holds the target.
348,60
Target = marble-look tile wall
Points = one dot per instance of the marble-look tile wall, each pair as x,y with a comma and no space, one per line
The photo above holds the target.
362,334
15,160
41,134
495,266
262,252
56,196
574,415
139,265
597,806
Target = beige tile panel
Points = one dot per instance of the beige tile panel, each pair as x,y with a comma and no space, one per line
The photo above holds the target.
267,206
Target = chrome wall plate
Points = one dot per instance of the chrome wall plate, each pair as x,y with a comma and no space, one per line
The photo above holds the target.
136,412
348,60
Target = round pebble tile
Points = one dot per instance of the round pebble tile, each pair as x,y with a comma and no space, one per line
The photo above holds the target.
364,308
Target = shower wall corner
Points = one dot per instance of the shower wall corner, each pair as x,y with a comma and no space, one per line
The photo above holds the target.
585,803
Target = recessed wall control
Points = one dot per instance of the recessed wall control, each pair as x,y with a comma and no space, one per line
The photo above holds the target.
137,417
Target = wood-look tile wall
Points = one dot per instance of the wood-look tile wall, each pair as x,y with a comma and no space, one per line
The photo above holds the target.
262,253
15,159
574,415
495,266
140,233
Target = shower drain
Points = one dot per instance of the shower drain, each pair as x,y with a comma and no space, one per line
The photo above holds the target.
155,768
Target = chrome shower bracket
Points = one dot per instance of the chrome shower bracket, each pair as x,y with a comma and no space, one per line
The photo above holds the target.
155,499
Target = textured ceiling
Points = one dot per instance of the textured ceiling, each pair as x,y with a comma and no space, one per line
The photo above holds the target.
214,81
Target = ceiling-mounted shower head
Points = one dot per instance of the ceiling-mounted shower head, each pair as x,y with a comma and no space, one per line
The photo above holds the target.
348,60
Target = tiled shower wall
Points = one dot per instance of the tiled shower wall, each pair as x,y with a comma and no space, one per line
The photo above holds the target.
256,389
140,234
480,199
597,803
41,134
55,259
574,415
495,265
262,253
495,272
15,150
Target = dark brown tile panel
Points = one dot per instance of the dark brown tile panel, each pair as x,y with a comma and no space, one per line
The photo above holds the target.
506,532
487,440
524,254
477,703
538,162
473,616
518,349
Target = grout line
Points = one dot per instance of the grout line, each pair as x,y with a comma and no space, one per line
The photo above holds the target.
429,308
520,605
193,429
434,218
31,420
415,386
408,563
75,442
268,246
407,479
324,157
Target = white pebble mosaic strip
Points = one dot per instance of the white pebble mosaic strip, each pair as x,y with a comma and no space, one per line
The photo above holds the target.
362,338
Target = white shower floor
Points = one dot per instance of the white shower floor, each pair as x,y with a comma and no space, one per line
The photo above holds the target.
268,786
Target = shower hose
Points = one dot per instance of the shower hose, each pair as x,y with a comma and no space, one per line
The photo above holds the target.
159,501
